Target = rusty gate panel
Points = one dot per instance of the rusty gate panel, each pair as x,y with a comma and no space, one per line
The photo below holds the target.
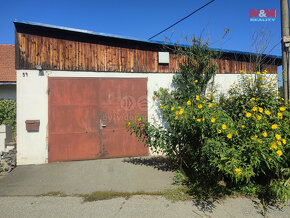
73,119
87,117
128,99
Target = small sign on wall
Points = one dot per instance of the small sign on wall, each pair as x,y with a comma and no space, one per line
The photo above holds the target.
163,57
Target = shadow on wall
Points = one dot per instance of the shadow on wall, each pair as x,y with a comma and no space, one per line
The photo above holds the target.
160,162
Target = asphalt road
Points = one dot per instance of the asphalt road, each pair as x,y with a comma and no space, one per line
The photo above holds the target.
137,206
19,188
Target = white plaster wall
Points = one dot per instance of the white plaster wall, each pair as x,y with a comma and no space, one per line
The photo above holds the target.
8,92
32,104
224,81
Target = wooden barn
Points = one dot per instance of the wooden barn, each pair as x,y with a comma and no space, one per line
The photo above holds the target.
76,88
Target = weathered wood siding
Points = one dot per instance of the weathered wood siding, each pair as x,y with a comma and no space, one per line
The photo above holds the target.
60,53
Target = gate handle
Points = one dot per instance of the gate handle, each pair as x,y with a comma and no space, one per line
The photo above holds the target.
102,125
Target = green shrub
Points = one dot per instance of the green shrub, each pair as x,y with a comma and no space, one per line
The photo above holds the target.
8,113
241,138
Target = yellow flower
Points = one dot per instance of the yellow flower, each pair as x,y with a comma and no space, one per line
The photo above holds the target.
267,112
279,143
235,132
248,114
188,103
198,120
181,111
280,115
229,135
243,126
161,106
128,123
259,117
139,119
282,108
176,112
279,152
278,137
212,120
274,126
269,158
238,171
172,108
197,98
273,146
203,119
179,107
176,117
213,101
193,117
255,109
265,134
196,81
284,141
219,131
260,110
199,106
259,73
210,105
224,126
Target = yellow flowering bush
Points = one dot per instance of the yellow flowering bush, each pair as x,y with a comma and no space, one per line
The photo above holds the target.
238,137
265,118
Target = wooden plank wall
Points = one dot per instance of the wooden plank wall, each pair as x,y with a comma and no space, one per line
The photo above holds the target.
68,55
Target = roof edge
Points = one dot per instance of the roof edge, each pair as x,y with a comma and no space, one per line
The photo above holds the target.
7,83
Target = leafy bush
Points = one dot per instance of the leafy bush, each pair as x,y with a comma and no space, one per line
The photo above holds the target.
8,113
241,138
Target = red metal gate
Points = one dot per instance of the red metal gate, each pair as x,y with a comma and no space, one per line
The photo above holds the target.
86,117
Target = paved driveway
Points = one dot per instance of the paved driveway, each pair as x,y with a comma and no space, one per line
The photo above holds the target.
82,177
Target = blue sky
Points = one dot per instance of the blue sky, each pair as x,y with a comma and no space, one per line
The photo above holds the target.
143,19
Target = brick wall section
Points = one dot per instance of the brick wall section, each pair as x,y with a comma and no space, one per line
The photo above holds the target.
7,63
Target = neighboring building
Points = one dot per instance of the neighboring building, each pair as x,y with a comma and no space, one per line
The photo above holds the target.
76,88
7,72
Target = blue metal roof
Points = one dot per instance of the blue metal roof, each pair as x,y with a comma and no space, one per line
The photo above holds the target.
132,38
